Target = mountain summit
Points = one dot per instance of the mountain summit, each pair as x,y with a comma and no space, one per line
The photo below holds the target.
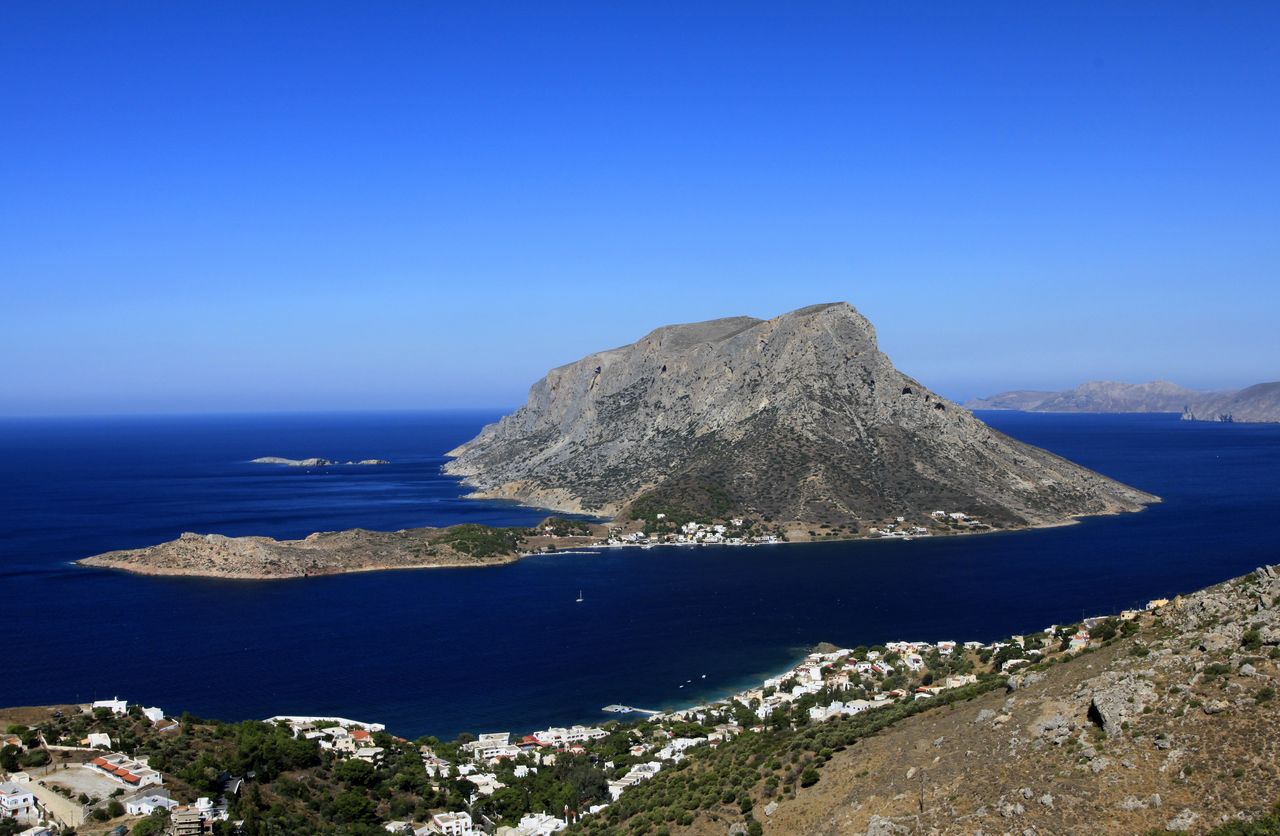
798,419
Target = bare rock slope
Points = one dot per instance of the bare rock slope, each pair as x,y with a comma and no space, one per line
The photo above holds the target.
797,418
1170,728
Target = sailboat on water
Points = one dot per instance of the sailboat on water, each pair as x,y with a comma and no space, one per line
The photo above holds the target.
579,596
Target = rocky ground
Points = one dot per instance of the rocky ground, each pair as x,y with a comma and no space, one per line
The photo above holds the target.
1176,728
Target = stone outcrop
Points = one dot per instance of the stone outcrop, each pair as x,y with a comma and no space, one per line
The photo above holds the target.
1118,699
797,418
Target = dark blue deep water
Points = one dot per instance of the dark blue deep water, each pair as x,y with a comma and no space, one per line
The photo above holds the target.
506,648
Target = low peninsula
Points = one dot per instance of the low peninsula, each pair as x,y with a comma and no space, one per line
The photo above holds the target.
336,552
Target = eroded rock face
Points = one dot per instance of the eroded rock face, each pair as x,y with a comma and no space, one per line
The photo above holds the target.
1119,698
798,418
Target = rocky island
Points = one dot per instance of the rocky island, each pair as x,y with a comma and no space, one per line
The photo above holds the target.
334,552
800,420
311,462
733,431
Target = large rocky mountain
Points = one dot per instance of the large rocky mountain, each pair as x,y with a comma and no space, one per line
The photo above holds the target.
1256,404
797,419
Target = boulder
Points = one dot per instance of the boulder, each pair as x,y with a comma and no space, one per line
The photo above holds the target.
1055,728
1024,680
1119,700
881,826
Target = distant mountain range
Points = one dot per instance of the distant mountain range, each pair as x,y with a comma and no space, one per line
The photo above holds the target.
1256,404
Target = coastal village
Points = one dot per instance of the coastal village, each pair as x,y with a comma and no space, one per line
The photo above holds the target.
112,766
742,531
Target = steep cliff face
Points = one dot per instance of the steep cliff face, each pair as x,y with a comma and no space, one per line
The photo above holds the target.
797,418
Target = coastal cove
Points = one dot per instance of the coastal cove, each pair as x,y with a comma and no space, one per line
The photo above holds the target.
508,646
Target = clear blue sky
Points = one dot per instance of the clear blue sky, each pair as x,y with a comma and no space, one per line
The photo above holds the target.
239,206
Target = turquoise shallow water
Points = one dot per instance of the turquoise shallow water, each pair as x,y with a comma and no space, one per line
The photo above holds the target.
440,651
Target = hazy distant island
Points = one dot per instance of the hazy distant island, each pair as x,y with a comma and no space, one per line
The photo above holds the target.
312,462
1256,404
732,431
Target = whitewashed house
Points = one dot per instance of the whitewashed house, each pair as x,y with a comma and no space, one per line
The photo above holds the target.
452,824
16,802
116,705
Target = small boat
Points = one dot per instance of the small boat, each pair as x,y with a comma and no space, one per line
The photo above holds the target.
579,596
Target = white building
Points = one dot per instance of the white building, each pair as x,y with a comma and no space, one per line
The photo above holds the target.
556,736
15,802
296,721
146,805
99,740
539,824
116,706
492,745
486,782
436,767
451,824
153,714
368,754
125,770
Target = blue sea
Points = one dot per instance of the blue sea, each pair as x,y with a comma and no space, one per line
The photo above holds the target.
507,648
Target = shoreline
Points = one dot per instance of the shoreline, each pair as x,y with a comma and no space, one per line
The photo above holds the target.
803,657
